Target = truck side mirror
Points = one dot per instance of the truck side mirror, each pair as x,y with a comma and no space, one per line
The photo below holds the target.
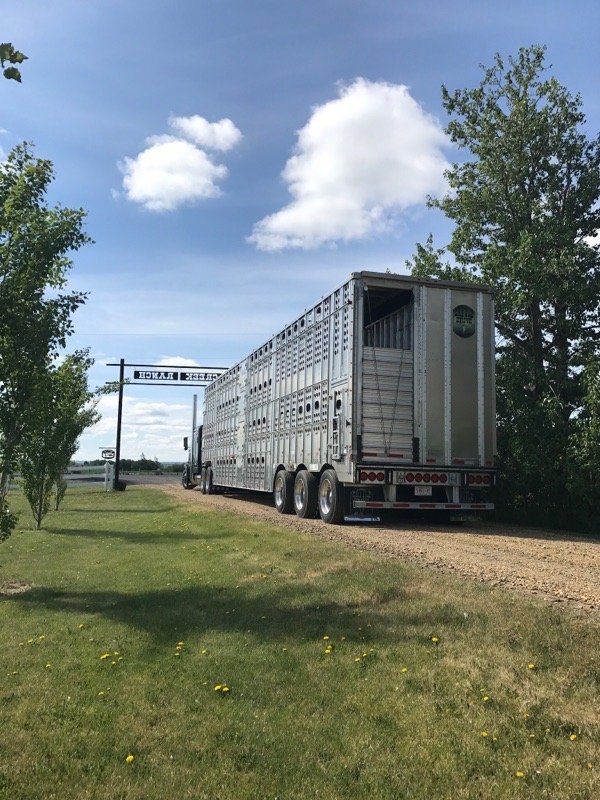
185,442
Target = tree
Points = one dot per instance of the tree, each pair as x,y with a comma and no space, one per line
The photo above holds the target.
37,310
525,208
64,408
9,55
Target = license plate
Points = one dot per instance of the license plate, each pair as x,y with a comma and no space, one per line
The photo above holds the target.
422,491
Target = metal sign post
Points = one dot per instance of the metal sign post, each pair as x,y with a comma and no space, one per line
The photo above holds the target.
117,483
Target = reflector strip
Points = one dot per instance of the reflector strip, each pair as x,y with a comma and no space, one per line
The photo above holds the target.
436,506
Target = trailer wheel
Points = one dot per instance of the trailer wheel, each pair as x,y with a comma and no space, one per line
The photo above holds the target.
208,482
283,492
305,494
331,498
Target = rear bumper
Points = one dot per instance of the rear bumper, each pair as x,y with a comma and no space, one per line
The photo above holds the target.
423,506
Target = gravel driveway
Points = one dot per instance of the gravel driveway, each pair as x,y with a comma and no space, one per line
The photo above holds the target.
559,567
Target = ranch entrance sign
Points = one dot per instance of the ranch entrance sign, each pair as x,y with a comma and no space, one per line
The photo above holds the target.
156,375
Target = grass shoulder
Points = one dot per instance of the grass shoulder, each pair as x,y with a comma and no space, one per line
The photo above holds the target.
235,659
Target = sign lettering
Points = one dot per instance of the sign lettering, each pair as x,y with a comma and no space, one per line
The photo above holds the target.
155,375
199,376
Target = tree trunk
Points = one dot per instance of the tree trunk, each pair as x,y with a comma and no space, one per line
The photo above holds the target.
537,348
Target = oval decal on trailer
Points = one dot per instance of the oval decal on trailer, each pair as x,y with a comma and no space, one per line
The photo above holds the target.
463,321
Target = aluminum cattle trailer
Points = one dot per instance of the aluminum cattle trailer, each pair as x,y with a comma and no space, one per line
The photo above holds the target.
379,396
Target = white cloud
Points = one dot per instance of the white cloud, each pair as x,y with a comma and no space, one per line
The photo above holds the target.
179,361
359,161
222,135
152,427
173,170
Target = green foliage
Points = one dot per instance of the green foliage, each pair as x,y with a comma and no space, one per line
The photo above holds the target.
427,263
9,55
584,454
525,208
8,522
37,310
63,409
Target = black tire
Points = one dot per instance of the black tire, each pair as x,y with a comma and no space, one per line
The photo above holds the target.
331,498
208,481
283,491
185,479
306,491
203,480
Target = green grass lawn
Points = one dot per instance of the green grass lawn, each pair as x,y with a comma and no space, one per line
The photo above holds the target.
349,675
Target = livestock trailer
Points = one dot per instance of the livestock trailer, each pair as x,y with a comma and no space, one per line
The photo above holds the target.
379,396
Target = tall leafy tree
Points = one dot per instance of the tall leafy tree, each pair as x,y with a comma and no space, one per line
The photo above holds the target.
36,307
64,408
525,207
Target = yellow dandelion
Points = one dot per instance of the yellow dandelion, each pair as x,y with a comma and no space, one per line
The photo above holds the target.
519,774
48,666
219,687
573,737
285,649
484,734
404,669
485,698
357,659
325,638
225,690
180,644
100,694
104,656
41,637
81,626
177,653
205,652
531,665
130,759
435,639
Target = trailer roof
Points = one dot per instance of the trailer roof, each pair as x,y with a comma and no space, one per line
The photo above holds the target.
396,277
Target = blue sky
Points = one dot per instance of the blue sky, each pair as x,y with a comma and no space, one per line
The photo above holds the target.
239,158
